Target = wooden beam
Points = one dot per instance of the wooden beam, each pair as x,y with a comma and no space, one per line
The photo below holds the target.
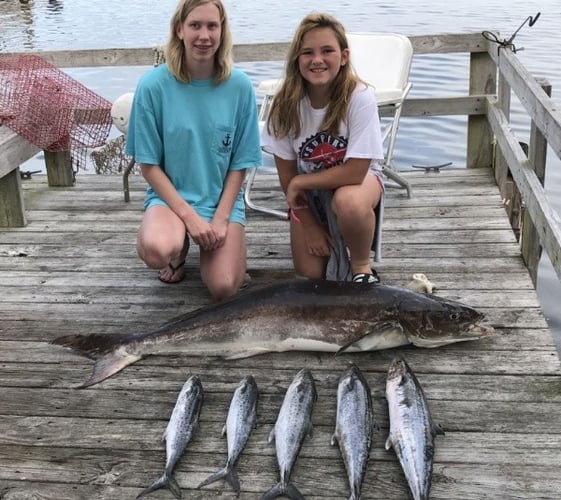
543,110
544,217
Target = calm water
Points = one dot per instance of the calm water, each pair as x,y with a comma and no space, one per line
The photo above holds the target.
87,24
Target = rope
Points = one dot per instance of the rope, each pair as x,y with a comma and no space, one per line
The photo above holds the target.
509,43
159,56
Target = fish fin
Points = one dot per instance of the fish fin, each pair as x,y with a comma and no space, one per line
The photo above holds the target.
108,365
233,481
389,443
247,354
164,481
271,437
334,439
228,473
280,489
293,492
276,491
91,346
223,433
310,429
375,329
104,349
437,430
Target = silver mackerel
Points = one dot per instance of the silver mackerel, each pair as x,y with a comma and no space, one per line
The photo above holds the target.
294,315
293,424
412,430
240,422
354,426
182,425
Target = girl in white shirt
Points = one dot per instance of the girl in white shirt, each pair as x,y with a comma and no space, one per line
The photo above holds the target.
324,132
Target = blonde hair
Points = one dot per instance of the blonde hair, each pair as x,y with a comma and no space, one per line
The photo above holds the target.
284,118
175,50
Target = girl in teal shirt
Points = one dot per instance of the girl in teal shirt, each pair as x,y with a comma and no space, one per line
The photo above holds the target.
194,130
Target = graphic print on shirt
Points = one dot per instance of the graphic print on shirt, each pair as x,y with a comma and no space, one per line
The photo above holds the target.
322,151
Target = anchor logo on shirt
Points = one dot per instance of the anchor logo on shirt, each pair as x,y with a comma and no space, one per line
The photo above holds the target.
227,140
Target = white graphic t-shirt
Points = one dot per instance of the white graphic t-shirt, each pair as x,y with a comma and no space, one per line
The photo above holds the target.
359,136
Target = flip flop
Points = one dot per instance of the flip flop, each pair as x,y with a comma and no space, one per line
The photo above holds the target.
178,270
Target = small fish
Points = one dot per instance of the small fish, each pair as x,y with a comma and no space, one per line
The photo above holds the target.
412,430
293,424
241,420
292,315
354,426
182,425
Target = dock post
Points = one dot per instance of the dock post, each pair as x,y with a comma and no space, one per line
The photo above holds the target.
59,168
482,80
537,154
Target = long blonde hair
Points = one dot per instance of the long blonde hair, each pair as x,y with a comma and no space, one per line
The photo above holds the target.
284,118
175,50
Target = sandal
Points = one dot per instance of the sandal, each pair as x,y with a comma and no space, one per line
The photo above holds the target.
177,273
366,277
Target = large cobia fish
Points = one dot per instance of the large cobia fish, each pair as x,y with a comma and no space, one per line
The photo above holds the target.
354,425
412,430
182,425
293,424
241,420
294,315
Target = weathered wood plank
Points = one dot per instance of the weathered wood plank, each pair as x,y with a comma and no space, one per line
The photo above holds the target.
254,52
458,358
70,271
546,220
383,480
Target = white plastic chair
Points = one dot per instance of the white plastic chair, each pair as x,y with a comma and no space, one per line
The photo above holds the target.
384,61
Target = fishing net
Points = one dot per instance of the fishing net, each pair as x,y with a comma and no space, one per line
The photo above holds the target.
50,109
111,158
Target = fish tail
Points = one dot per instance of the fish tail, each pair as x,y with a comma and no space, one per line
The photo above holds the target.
91,346
355,495
165,481
228,473
282,489
104,349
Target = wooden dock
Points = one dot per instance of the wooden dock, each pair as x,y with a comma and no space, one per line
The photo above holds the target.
74,269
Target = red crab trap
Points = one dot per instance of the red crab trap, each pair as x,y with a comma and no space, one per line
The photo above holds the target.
50,109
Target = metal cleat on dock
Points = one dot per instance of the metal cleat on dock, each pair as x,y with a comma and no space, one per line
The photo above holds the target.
26,174
433,168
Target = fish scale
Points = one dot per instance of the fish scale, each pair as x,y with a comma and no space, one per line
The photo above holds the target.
292,315
183,423
241,420
412,430
293,424
354,426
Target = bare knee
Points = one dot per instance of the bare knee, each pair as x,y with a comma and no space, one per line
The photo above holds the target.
225,287
345,205
156,254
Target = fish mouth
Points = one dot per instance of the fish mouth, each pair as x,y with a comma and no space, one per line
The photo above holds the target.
472,332
481,330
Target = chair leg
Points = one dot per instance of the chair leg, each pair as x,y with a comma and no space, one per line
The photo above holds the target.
398,179
126,180
252,205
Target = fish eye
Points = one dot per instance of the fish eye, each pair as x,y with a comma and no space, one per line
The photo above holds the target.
454,316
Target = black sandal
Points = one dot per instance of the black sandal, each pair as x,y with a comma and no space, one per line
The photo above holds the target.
366,277
179,269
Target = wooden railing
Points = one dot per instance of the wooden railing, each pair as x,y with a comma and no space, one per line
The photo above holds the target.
490,143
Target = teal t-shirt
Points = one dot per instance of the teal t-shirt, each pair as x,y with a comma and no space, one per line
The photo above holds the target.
196,132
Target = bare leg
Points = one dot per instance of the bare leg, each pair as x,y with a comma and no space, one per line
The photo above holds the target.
354,208
305,264
223,269
163,242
